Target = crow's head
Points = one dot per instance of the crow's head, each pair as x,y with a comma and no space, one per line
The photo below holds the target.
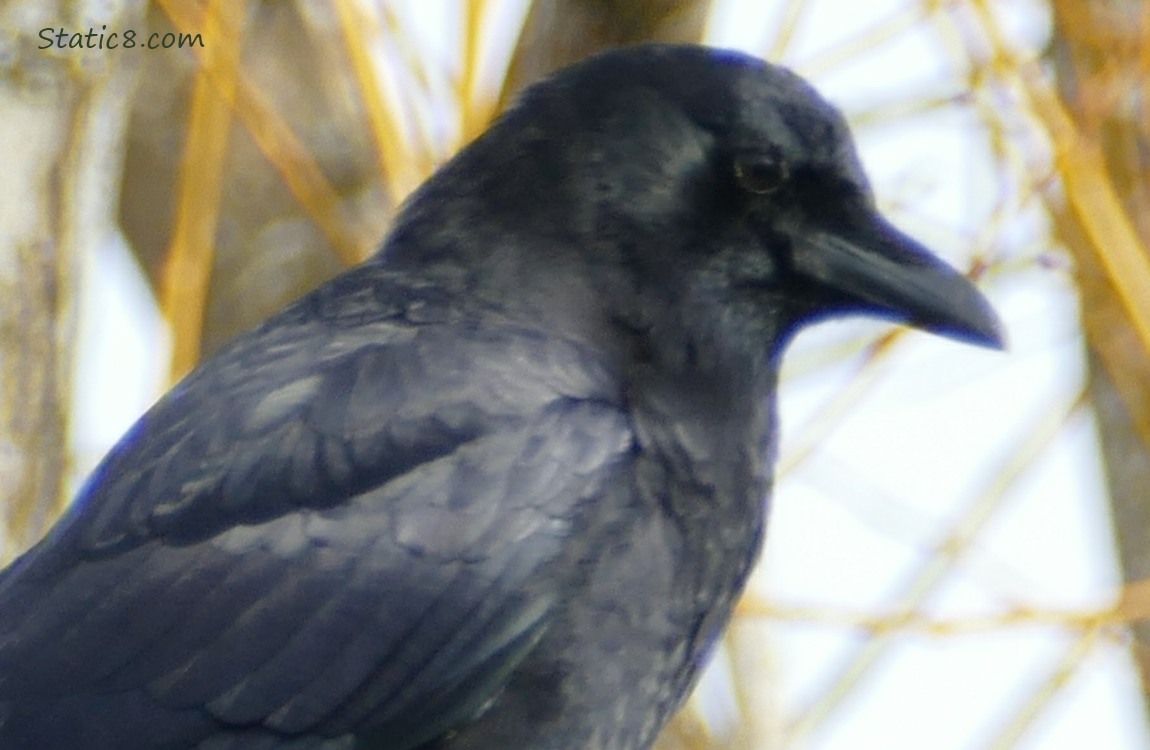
690,187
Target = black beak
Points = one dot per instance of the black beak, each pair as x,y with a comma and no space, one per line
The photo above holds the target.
873,268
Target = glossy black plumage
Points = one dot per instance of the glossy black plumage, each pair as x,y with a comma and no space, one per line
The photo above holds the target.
500,486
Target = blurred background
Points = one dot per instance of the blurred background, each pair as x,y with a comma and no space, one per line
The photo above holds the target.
959,549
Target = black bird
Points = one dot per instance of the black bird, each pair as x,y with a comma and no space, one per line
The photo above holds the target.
499,486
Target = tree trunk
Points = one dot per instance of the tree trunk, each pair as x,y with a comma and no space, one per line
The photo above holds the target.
1098,55
64,112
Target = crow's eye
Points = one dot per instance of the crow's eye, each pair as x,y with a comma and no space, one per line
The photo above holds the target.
760,172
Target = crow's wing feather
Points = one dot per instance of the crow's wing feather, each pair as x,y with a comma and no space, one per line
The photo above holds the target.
335,524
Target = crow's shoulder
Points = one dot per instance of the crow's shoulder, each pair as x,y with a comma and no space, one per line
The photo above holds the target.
360,382
337,520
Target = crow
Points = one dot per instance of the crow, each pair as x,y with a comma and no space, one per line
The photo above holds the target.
500,485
